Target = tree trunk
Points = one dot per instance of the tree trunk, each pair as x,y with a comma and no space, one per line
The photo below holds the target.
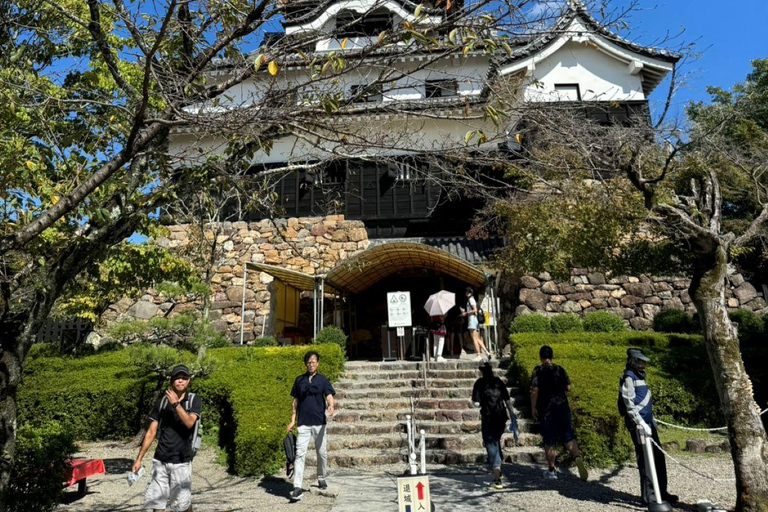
749,447
10,375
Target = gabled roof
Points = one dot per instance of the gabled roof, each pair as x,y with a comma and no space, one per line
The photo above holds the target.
577,23
301,11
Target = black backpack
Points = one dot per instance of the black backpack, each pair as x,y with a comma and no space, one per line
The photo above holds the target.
480,316
492,404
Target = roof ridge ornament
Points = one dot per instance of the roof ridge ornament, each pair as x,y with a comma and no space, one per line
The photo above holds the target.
576,5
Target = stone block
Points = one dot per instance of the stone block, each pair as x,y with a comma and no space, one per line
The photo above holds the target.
340,236
653,300
650,310
613,302
358,235
632,279
736,279
733,303
599,303
661,286
664,295
579,296
570,306
557,298
143,310
318,230
534,299
522,310
639,289
609,287
745,293
670,446
585,304
565,288
681,284
630,301
579,271
550,288
554,307
617,294
122,305
756,304
530,282
695,445
544,276
596,278
640,324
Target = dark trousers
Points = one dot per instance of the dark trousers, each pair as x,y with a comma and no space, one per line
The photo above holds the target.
646,486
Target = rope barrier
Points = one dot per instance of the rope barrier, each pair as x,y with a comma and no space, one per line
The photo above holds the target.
703,475
699,429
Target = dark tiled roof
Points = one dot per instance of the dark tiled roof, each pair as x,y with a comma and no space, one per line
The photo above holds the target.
471,250
577,10
300,11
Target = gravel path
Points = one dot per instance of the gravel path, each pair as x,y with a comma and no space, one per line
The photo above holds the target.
212,488
374,490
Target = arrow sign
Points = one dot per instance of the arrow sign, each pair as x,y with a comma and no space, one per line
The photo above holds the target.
420,490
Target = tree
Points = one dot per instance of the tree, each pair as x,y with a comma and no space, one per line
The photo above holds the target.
655,198
91,90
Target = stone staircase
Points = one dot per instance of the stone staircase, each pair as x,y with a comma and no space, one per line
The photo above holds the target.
373,399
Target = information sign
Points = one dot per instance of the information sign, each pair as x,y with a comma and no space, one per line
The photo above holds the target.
413,493
399,309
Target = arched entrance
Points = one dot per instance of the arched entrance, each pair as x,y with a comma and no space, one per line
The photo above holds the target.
355,291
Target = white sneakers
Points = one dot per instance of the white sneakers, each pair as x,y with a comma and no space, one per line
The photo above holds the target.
549,474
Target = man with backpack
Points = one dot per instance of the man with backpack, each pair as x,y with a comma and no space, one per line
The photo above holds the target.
549,405
636,406
491,395
175,420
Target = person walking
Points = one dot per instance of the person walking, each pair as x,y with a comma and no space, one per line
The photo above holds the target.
174,415
549,404
472,325
636,406
312,394
491,395
438,338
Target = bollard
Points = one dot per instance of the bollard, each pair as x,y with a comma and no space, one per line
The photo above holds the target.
423,450
657,505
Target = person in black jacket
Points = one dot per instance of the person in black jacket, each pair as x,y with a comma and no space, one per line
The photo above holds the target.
491,395
549,404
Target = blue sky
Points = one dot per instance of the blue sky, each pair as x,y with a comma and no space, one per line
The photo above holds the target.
728,35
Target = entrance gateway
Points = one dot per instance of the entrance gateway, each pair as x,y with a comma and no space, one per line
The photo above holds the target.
356,290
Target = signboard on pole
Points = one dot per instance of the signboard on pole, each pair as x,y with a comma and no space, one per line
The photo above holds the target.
399,309
413,493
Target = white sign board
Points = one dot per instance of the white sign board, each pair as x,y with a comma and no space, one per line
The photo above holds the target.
401,331
399,309
413,493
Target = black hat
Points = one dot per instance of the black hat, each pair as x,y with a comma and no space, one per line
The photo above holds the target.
485,365
180,369
636,353
469,289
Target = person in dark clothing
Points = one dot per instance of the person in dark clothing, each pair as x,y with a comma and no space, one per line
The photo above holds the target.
175,415
311,393
636,405
491,395
549,404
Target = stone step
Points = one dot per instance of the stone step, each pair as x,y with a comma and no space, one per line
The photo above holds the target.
399,441
448,364
466,373
385,392
433,428
437,383
373,457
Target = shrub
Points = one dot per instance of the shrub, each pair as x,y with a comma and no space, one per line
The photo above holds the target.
530,323
603,321
42,350
39,467
332,334
206,336
95,397
674,320
594,361
110,346
565,323
265,341
751,326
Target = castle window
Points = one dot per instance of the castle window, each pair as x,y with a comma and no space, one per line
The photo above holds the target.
370,24
364,93
440,88
568,92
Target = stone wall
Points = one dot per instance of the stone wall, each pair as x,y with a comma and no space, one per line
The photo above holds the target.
635,299
311,245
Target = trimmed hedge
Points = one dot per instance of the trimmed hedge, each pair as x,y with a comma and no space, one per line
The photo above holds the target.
245,400
533,322
603,321
751,326
674,320
254,385
567,322
100,396
682,392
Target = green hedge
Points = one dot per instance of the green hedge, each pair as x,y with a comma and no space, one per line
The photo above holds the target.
98,397
253,385
246,399
679,377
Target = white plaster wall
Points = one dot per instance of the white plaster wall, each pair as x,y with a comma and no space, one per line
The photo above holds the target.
600,77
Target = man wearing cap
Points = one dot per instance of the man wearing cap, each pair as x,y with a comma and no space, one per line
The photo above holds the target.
491,395
171,483
549,404
636,405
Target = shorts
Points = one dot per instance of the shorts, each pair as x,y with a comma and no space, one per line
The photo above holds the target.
472,323
170,486
556,425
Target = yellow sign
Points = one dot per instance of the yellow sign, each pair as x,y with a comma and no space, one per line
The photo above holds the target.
413,493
